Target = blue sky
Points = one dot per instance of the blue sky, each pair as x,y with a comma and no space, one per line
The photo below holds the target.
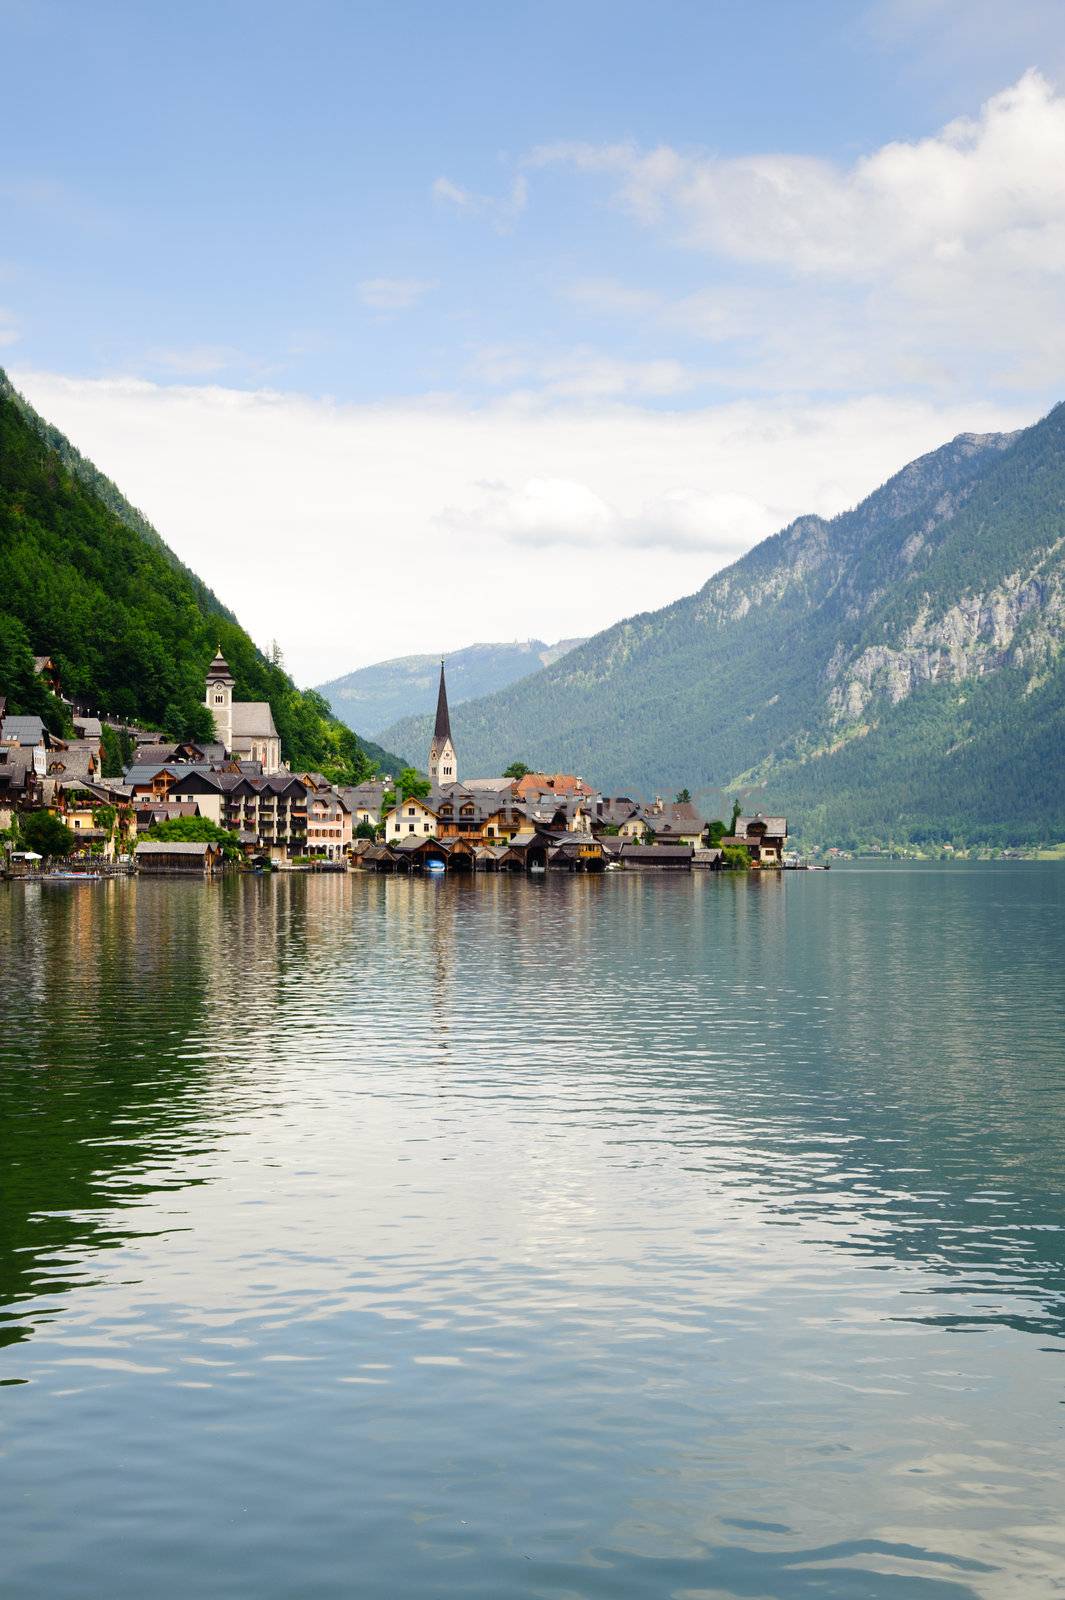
496,248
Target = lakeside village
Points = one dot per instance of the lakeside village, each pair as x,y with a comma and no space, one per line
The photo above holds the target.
197,808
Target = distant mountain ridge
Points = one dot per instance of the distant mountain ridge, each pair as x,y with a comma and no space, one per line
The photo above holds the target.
372,698
896,672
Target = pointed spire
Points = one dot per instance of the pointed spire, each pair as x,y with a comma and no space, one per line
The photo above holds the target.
443,720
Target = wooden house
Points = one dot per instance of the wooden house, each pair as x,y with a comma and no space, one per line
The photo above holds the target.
184,857
766,839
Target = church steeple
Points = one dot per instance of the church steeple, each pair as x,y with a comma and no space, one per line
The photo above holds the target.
443,763
443,719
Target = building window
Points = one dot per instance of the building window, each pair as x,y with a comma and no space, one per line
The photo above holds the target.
425,827
410,827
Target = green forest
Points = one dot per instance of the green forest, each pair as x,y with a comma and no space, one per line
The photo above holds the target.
85,579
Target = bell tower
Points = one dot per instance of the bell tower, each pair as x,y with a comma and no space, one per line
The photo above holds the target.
443,762
219,698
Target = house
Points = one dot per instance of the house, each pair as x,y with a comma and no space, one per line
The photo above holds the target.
176,783
675,822
27,733
364,801
75,760
87,727
540,785
268,813
244,727
765,838
657,857
619,814
20,779
46,668
178,856
485,816
328,824
411,816
711,859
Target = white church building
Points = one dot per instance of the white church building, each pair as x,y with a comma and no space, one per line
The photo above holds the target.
245,727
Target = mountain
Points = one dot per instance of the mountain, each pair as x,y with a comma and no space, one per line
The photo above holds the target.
893,673
371,698
85,579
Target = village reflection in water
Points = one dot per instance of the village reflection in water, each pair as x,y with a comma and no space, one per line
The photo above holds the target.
599,1235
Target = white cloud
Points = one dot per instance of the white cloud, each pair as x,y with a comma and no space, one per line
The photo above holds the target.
502,211
992,184
920,261
394,294
557,512
380,530
9,329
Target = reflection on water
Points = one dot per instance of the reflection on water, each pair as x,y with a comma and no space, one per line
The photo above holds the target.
597,1237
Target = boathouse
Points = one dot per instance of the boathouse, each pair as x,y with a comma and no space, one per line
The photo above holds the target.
159,856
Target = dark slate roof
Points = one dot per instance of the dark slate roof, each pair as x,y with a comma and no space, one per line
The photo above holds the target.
657,852
776,827
172,847
442,730
219,668
23,730
182,772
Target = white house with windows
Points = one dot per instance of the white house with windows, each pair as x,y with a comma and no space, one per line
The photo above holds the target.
412,817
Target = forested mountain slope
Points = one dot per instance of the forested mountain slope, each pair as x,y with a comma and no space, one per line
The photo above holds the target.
371,698
896,672
130,628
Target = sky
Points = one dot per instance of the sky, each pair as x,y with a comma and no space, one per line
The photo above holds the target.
416,325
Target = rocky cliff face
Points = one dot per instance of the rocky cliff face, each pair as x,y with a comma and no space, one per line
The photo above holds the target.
843,664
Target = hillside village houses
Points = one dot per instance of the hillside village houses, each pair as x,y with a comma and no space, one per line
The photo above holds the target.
239,781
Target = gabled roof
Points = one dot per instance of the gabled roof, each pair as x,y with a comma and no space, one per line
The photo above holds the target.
174,847
22,730
253,719
776,827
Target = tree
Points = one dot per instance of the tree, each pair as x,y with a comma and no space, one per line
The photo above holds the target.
517,769
46,834
684,798
735,857
193,830
412,784
365,830
717,831
736,811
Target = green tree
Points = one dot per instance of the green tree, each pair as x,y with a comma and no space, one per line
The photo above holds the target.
684,798
737,811
517,769
717,831
46,834
412,784
735,857
193,830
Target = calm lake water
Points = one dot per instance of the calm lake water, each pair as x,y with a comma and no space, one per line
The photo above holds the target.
589,1238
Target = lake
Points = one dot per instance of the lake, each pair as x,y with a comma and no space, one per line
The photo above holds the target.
599,1237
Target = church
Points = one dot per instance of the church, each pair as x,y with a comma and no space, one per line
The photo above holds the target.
443,763
245,727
